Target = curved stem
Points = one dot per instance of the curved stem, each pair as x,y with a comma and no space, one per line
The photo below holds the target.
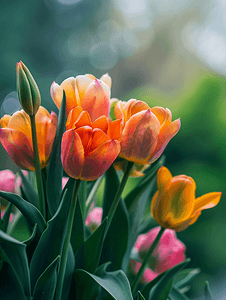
63,260
118,195
37,167
145,262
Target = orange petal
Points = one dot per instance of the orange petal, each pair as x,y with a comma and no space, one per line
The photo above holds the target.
56,92
72,153
82,83
85,134
72,117
83,120
52,127
164,178
19,148
20,121
207,201
164,139
115,130
5,120
99,137
139,136
164,115
97,163
136,106
101,123
72,99
120,113
96,100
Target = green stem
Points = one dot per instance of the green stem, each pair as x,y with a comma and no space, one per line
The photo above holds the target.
37,167
145,262
63,260
118,195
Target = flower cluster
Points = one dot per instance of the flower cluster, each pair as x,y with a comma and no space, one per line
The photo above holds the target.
70,239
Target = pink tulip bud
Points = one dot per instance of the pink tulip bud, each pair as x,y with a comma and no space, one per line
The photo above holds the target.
148,275
168,253
7,181
94,218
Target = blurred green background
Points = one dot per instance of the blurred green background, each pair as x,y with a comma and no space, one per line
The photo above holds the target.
170,53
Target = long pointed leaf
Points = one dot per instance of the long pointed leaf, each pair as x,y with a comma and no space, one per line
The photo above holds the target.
46,283
116,240
55,170
10,286
31,213
14,253
115,283
51,242
28,190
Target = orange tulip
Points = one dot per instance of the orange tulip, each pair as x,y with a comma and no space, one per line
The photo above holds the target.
88,149
16,137
91,94
146,131
174,205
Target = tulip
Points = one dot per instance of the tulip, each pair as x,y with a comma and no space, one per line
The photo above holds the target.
146,131
16,137
91,94
28,91
88,149
169,252
148,275
93,219
7,181
174,205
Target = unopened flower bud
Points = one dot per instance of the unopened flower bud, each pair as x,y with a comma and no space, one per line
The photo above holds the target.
27,89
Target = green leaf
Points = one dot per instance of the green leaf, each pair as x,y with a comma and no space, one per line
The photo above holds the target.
208,293
6,216
183,278
88,255
31,213
175,294
51,241
148,286
46,283
14,253
162,288
140,296
92,191
10,285
55,170
114,283
69,272
78,228
136,202
28,190
147,225
116,240
32,237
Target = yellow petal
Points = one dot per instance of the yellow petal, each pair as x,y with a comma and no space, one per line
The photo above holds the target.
106,79
207,201
5,120
164,178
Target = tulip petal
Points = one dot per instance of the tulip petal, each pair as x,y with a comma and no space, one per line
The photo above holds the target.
5,120
99,137
101,123
82,83
97,163
164,139
72,153
56,92
85,134
140,137
20,121
115,129
73,116
19,148
96,100
106,79
70,88
207,201
164,178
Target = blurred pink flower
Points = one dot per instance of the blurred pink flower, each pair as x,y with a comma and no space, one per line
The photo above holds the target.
93,219
7,181
169,252
148,275
64,181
